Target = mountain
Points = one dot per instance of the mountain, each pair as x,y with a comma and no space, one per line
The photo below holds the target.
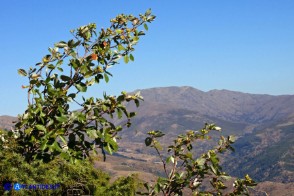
267,153
6,122
222,104
263,124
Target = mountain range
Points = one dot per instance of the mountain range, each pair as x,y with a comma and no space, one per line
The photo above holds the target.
263,124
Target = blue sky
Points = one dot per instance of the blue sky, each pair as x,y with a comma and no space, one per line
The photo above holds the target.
245,46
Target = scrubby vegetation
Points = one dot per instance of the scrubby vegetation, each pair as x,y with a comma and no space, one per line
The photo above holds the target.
81,175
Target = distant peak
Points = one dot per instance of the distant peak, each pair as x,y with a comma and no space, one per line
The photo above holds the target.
178,88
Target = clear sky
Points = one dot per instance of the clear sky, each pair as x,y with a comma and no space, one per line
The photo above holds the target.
244,45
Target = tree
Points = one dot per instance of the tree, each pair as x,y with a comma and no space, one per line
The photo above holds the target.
48,128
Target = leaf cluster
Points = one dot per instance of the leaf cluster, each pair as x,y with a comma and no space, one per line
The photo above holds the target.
184,171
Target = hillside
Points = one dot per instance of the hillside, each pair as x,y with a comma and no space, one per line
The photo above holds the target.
263,124
222,104
267,154
6,122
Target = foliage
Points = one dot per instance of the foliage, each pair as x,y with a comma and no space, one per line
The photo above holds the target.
184,171
48,128
123,186
14,169
82,174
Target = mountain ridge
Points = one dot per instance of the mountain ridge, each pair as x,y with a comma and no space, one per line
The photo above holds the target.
255,119
229,105
263,124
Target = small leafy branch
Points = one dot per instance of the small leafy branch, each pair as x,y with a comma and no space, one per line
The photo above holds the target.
185,172
48,128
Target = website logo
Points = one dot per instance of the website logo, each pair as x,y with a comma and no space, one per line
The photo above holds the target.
7,186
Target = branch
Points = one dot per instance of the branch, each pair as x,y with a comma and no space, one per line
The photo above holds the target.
164,163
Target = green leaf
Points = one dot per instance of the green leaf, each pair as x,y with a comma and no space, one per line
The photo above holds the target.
98,77
72,95
62,118
62,139
64,155
158,133
146,185
22,72
135,39
170,159
126,58
91,82
113,145
137,102
200,161
132,57
55,146
61,44
141,33
226,177
214,160
41,127
50,66
108,148
92,133
120,98
59,62
148,141
104,108
148,12
77,43
44,145
71,160
120,47
65,78
28,131
81,87
157,188
71,43
106,78
132,114
146,27
213,169
189,155
119,113
151,18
